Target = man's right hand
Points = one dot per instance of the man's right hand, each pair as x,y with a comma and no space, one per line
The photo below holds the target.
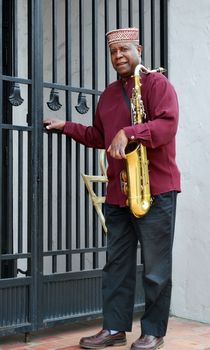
57,124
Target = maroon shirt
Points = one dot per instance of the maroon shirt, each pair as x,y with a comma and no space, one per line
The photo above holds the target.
157,133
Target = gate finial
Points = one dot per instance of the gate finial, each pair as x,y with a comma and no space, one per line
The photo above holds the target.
54,103
82,107
15,98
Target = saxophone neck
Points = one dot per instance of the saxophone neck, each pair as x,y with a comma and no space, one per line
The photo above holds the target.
142,69
139,69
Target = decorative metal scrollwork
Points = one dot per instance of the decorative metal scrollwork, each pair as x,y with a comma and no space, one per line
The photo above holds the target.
15,98
23,272
54,103
82,107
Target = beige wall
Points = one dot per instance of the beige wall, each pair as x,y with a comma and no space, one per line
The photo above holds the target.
189,71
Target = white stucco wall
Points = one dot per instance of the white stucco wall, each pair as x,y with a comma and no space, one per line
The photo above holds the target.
189,71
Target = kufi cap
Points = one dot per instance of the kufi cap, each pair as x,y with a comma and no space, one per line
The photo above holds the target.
123,34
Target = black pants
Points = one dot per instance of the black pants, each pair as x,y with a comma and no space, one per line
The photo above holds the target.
155,231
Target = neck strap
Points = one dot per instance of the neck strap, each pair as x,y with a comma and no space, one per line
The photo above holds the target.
126,97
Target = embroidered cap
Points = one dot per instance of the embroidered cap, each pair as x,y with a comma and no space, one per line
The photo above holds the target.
123,34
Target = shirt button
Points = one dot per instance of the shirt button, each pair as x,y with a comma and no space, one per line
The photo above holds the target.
132,137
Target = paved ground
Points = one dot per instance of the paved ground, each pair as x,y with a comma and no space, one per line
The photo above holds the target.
182,335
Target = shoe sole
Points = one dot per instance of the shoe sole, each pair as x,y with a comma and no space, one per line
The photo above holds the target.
160,346
116,343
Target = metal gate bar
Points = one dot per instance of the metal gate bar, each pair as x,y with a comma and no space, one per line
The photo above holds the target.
68,99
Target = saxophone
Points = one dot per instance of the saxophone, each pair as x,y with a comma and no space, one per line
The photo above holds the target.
135,179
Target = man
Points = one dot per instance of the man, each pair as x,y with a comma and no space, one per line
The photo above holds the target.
112,130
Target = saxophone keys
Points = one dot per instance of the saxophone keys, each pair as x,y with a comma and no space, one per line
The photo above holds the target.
124,182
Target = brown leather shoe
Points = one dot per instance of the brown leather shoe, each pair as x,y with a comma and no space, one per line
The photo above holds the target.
103,339
148,342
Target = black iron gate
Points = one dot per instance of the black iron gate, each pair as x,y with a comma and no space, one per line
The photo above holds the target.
54,62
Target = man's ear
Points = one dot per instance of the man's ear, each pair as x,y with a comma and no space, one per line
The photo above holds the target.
139,49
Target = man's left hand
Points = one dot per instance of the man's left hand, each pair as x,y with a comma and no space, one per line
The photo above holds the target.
117,147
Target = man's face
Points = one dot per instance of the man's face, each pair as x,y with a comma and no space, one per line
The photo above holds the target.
125,57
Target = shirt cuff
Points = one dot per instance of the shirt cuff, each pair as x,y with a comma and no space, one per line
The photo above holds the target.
67,128
130,132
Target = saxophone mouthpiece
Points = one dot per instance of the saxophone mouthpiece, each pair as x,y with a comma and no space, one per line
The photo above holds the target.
161,70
